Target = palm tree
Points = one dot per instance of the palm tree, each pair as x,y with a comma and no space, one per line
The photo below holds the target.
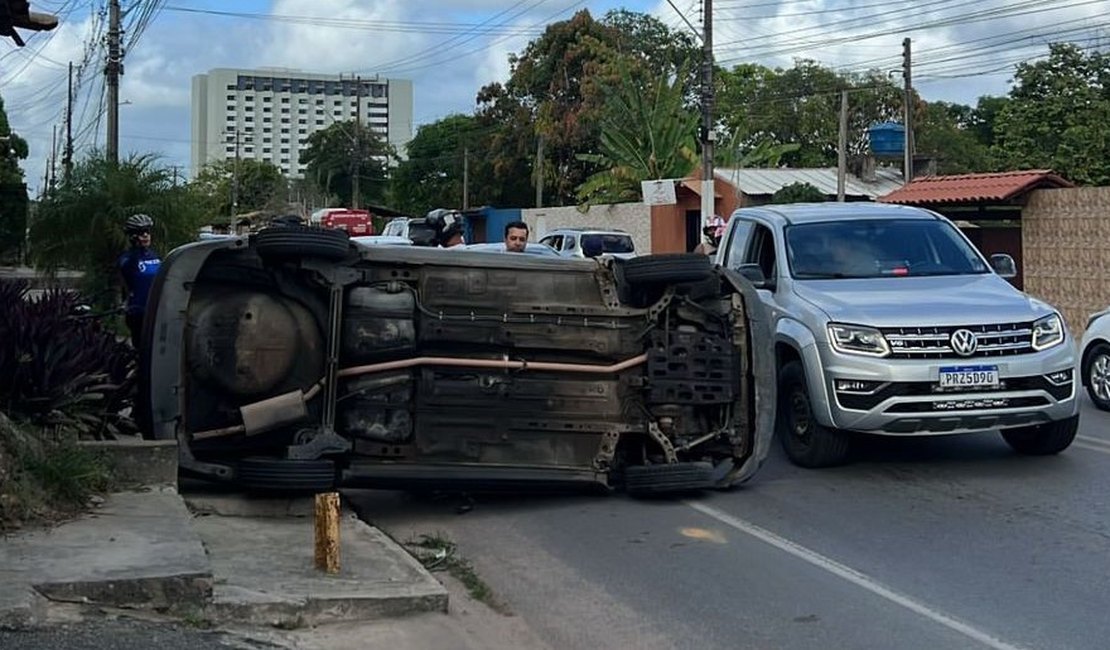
79,225
647,133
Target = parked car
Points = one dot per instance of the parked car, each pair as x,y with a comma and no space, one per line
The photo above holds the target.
888,321
590,242
398,227
1095,358
531,248
295,359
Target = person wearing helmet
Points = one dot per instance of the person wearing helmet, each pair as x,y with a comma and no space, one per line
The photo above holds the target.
138,265
449,226
714,229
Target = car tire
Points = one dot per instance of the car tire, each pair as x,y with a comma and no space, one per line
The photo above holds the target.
284,475
1096,374
671,268
1043,439
655,480
285,242
806,441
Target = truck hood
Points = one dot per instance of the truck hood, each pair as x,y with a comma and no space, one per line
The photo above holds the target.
921,301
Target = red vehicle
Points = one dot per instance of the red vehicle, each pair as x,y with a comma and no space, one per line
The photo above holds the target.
357,223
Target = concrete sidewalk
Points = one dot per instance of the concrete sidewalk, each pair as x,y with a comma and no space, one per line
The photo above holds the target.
234,559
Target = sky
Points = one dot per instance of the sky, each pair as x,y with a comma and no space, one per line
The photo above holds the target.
452,48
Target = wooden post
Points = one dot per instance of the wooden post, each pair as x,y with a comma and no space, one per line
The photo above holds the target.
327,532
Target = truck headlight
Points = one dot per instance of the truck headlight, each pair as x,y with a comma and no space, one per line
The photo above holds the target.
1048,332
854,339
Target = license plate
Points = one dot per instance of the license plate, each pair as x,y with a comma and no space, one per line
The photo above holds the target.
968,376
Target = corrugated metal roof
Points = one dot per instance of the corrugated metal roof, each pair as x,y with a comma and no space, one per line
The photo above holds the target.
966,188
768,181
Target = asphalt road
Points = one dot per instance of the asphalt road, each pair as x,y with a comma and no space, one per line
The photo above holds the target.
938,543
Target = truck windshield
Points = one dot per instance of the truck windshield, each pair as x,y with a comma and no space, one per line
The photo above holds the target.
870,248
607,243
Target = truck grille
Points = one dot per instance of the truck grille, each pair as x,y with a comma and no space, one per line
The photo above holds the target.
998,340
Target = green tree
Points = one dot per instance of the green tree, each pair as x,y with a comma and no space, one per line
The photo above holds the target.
1057,115
557,86
13,191
79,225
798,193
646,134
947,132
332,155
432,175
259,185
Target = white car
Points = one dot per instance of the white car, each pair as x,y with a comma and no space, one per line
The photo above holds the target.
1095,364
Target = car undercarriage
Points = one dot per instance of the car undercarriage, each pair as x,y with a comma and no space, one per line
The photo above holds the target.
294,360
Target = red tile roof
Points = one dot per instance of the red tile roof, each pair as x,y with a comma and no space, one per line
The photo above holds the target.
974,188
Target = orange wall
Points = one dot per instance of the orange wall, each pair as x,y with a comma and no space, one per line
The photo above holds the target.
668,222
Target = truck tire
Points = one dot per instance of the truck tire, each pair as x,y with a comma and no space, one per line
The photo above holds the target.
670,268
1043,439
291,242
283,475
654,480
806,441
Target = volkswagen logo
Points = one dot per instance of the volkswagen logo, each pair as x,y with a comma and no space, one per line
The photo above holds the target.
964,342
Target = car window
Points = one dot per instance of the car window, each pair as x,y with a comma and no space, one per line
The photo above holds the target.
879,248
761,250
571,243
608,243
738,243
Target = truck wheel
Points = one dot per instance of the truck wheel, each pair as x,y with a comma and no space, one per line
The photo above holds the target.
807,442
1096,375
285,242
1043,439
670,268
651,480
284,475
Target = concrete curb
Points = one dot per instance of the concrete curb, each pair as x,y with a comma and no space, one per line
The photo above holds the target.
21,607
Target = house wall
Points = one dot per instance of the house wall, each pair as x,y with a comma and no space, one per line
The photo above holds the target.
633,218
1064,235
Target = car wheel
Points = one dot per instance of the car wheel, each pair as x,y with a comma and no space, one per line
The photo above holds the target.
1096,375
284,475
672,268
1043,439
286,242
651,480
806,441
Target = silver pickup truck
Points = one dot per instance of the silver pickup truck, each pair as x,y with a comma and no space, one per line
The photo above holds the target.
888,321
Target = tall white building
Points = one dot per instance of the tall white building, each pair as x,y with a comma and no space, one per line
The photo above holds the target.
268,114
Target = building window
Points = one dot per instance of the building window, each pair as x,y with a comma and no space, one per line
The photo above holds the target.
284,100
285,141
249,109
248,119
319,122
232,87
285,110
285,120
267,100
285,130
265,109
231,98
302,121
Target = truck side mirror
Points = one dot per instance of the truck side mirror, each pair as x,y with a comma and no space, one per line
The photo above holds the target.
754,273
1004,265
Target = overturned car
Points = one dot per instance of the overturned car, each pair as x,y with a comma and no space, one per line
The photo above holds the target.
297,360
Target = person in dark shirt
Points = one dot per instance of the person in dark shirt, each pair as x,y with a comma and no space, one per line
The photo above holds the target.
138,266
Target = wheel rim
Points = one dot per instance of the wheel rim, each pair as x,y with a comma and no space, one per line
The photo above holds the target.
800,415
1099,376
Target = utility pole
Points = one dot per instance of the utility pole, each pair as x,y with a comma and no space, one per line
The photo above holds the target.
466,178
113,70
67,155
539,172
356,158
907,101
53,156
707,99
842,146
235,180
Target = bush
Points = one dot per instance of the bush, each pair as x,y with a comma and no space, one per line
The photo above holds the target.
59,369
44,477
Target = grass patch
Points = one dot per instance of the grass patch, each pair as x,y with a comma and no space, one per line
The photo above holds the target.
45,476
438,553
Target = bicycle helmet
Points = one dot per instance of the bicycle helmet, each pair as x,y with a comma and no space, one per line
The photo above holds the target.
446,223
138,223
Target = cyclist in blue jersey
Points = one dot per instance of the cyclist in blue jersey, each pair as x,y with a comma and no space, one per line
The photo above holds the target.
138,266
